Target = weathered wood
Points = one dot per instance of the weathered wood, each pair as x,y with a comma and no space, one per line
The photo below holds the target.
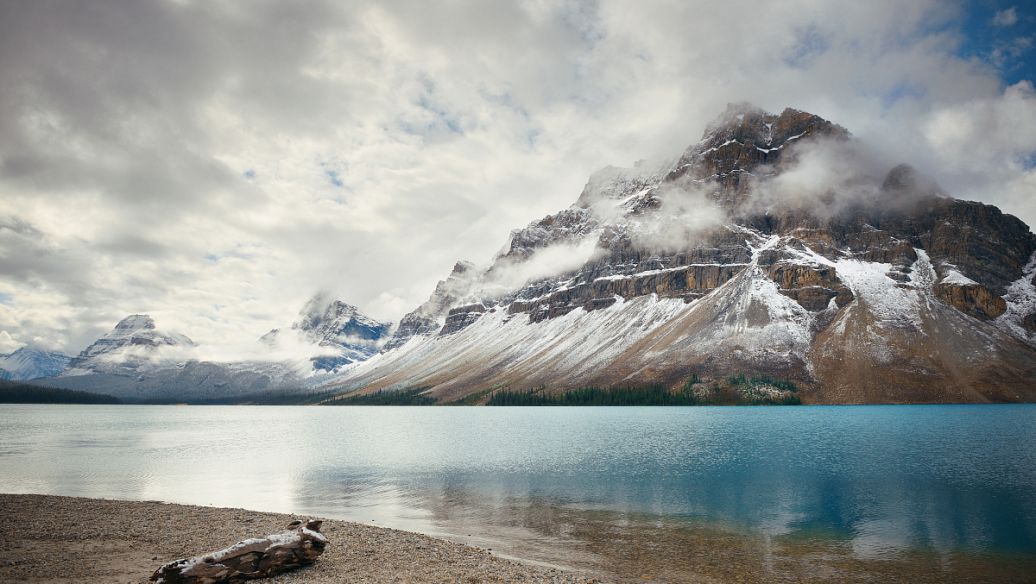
249,559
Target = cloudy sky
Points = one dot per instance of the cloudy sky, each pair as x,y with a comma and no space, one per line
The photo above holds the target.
216,163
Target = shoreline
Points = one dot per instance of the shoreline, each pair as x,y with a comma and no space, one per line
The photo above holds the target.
64,540
56,539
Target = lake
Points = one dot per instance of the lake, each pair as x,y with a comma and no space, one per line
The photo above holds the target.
910,493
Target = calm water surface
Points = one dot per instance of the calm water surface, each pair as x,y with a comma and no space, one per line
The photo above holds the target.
882,480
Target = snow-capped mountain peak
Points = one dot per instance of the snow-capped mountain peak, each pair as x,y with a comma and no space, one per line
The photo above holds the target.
28,363
338,332
135,339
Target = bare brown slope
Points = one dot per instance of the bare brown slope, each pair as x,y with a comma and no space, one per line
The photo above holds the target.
952,358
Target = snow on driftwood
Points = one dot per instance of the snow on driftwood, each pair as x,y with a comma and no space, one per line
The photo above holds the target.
249,559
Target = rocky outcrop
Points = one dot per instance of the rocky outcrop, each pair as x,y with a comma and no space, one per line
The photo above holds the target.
972,299
429,318
686,282
462,316
562,227
812,287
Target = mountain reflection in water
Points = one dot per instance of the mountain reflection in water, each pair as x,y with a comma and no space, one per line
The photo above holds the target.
844,493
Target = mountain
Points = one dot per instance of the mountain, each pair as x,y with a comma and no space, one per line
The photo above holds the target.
27,363
773,257
136,361
131,344
429,317
339,333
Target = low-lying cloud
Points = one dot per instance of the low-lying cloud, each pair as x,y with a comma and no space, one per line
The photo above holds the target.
687,212
508,275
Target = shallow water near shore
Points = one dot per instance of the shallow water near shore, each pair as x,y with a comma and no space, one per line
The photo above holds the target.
926,493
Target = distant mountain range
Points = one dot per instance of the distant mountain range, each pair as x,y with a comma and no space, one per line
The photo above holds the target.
770,262
137,361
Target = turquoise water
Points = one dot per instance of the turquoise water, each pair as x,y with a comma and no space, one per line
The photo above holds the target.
884,479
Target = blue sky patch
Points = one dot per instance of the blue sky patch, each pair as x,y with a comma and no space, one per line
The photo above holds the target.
902,91
1002,34
334,177
810,43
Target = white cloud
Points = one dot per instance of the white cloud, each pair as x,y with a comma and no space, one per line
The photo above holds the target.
214,164
545,262
985,148
8,344
1006,17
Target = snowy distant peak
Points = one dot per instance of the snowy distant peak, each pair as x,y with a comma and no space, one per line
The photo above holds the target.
328,321
134,338
27,363
320,309
336,333
139,329
132,324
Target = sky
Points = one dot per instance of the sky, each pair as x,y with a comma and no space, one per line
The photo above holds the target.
215,164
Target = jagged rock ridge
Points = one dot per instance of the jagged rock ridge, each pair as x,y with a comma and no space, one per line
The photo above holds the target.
901,295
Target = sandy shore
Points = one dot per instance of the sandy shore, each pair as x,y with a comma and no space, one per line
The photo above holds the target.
66,540
73,540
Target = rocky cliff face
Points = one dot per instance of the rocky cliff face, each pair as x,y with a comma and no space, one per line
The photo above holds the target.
881,289
430,317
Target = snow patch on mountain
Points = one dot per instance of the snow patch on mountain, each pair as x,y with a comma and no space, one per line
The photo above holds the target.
891,304
1021,305
951,275
578,343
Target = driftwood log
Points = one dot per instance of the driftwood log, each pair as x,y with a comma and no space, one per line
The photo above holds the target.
249,559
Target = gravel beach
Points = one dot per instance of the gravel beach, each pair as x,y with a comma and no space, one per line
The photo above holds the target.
74,540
